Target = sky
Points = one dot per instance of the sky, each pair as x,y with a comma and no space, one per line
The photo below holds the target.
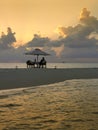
67,29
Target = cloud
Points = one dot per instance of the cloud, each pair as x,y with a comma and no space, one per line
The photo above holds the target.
87,20
13,55
87,24
79,41
38,41
72,36
78,36
58,50
6,40
73,41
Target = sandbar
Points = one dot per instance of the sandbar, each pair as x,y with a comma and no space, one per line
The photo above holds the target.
23,77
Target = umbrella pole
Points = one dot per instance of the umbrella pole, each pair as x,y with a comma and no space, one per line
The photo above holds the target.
37,60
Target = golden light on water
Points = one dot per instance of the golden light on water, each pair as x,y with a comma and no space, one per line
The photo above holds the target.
66,105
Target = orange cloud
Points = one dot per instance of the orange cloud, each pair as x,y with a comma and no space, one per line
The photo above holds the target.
84,14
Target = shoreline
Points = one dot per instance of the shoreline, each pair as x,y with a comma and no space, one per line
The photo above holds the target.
23,77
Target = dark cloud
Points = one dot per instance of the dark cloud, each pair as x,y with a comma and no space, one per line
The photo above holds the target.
13,55
80,53
79,35
6,40
79,41
38,41
73,41
72,36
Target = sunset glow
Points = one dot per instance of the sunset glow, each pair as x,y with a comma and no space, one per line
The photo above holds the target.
27,17
58,25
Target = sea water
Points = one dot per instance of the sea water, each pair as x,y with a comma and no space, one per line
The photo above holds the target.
68,105
52,65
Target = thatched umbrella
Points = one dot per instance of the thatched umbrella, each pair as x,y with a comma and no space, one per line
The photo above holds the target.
37,52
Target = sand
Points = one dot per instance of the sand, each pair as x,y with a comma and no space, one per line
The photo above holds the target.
20,78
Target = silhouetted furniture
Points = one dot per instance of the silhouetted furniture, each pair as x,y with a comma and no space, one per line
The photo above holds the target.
41,64
30,64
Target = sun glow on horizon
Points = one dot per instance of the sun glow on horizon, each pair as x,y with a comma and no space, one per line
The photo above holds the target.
29,17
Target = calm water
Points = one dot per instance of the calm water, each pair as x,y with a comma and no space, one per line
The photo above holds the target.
69,105
52,65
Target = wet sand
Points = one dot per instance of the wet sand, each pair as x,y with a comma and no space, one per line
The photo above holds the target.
20,78
69,105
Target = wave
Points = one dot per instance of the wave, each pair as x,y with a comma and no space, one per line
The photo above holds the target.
72,104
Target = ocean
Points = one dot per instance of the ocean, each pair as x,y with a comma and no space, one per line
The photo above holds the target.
68,105
52,65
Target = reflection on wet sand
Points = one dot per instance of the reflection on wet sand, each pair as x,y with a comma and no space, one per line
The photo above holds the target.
70,105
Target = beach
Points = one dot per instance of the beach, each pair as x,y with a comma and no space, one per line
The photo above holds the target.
23,77
49,98
68,105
